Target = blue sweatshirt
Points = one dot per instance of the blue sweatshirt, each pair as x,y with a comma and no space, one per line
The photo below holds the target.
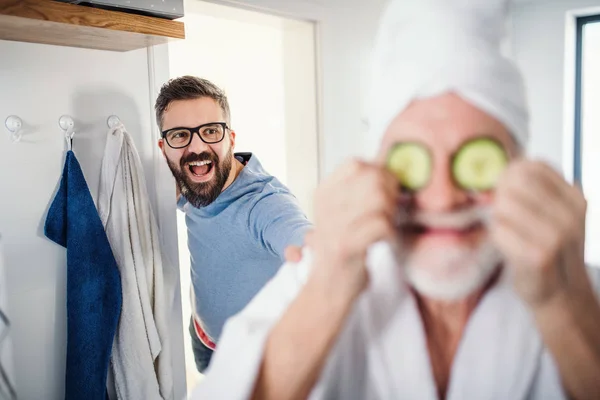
237,243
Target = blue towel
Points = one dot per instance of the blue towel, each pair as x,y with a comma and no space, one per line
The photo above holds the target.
93,284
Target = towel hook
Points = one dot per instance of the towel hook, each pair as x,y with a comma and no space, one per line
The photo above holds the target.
14,125
67,124
113,121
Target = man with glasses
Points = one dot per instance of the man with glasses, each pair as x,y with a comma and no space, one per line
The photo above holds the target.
239,218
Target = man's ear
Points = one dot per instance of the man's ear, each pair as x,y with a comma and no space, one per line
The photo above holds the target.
232,139
161,145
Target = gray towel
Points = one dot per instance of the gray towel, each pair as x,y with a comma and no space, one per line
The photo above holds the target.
141,353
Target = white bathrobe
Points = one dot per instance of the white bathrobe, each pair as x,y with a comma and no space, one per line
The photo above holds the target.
382,352
141,365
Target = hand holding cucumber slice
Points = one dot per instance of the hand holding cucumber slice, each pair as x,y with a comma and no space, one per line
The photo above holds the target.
476,166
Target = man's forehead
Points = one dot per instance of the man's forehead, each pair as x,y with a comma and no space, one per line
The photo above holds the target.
446,105
439,113
446,120
191,113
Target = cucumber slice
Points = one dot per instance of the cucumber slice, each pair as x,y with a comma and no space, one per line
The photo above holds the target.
411,163
478,164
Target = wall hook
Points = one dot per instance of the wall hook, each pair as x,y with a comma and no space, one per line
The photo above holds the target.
14,125
67,124
113,121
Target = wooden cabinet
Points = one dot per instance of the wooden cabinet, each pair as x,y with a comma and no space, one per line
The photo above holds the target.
51,22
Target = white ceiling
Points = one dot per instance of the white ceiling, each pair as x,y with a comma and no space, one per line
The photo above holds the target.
530,1
324,2
308,8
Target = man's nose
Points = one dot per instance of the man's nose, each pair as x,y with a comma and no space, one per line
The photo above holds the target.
441,194
197,145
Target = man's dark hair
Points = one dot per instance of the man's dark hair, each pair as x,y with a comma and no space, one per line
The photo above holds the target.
189,88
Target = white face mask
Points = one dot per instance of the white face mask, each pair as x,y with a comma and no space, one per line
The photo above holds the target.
451,272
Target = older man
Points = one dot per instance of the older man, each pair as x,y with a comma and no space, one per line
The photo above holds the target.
467,283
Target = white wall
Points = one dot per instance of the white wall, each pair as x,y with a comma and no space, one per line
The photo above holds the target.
39,83
347,33
301,110
539,48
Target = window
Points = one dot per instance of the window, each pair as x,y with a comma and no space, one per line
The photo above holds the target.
587,127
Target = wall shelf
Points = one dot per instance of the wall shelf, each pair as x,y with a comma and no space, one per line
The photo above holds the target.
51,22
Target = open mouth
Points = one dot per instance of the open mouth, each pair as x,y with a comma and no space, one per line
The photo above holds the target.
421,229
200,168
459,223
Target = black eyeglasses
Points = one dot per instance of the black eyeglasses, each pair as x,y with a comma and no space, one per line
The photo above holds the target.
210,133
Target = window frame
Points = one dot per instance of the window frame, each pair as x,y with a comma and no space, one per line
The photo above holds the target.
581,22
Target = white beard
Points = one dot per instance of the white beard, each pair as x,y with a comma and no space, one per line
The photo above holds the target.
450,273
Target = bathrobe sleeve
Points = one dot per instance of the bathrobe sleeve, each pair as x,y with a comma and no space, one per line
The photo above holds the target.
235,365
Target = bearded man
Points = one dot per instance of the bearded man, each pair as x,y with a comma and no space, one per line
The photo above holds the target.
239,218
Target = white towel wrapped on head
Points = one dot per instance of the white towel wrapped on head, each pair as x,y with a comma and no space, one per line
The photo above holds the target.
429,47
